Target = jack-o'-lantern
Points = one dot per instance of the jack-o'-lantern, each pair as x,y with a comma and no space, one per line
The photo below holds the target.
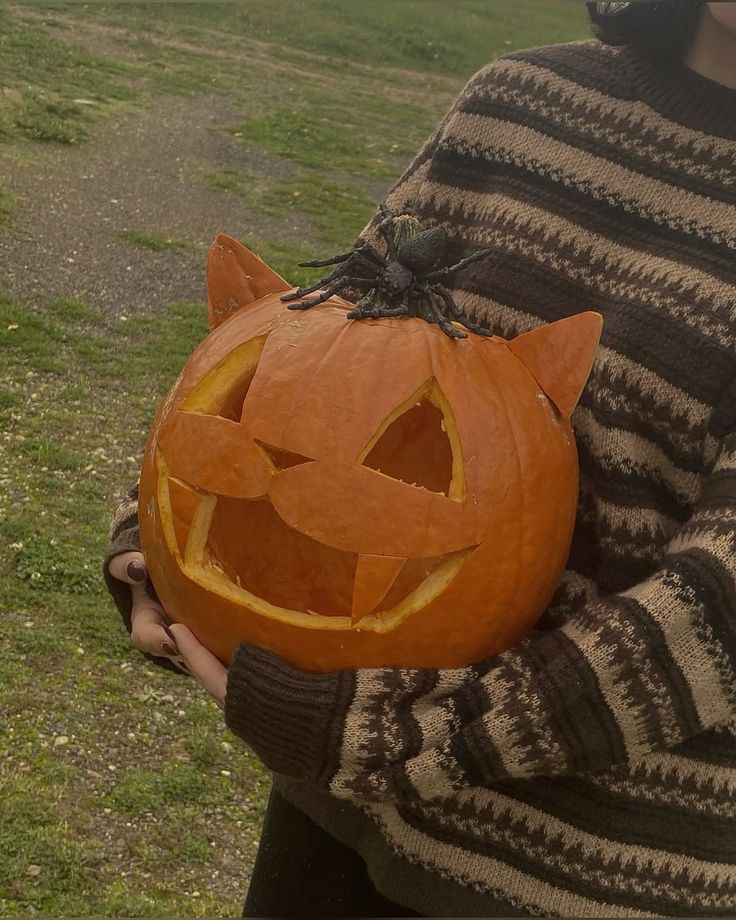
360,493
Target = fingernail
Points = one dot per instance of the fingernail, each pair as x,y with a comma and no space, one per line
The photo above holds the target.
169,650
136,570
168,632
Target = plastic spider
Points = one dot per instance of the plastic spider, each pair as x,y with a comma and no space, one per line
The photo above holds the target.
408,282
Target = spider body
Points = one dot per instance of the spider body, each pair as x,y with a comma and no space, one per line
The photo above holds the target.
396,280
423,252
407,282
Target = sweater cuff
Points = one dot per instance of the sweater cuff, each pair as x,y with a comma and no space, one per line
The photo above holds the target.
292,720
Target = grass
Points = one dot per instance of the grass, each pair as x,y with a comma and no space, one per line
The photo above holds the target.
114,763
431,36
48,75
121,792
319,56
145,790
51,120
358,130
305,194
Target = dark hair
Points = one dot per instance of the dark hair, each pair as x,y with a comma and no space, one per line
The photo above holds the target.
662,30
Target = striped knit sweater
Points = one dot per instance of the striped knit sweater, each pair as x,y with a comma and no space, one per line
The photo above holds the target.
589,771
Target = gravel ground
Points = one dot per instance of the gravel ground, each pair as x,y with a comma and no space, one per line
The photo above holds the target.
69,202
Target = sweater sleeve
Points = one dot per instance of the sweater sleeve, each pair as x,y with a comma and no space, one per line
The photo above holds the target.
631,673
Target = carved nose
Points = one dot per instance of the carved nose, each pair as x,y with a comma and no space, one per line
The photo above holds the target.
279,459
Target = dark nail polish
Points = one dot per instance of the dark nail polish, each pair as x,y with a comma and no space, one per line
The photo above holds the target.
169,650
136,570
168,632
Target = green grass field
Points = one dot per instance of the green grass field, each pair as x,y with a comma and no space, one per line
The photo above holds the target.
121,793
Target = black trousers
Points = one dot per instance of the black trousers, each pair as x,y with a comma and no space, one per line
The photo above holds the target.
302,871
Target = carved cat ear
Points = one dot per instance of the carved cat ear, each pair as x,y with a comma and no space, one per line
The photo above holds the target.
235,278
560,356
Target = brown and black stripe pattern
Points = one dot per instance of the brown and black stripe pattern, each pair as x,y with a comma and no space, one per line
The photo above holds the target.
590,771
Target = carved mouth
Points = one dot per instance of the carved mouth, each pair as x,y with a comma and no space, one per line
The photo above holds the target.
285,575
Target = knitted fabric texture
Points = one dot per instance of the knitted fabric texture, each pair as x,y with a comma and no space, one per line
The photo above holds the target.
591,770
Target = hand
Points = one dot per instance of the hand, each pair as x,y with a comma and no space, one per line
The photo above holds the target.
150,631
208,670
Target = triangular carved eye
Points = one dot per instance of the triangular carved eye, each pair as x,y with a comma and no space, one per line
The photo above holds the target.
419,444
222,392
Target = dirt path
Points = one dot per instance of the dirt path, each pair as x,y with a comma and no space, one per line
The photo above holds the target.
70,203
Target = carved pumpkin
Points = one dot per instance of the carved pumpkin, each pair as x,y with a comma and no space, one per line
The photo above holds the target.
360,493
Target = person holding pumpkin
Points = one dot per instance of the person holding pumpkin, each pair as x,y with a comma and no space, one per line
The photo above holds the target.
590,770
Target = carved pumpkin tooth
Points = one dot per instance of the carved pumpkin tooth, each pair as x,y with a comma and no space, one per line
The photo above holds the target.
374,576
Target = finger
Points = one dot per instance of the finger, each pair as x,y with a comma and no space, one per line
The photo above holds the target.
129,567
149,623
204,666
150,636
143,601
153,646
149,632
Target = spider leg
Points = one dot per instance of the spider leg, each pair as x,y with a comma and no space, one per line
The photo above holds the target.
378,312
451,269
439,317
333,260
343,282
371,306
456,313
364,249
299,293
355,262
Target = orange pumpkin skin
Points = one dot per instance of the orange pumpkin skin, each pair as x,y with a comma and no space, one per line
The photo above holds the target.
289,519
